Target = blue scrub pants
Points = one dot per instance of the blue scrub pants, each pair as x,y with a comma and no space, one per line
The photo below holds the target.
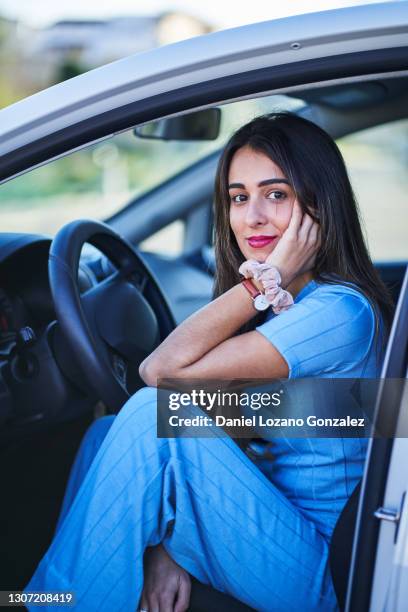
215,512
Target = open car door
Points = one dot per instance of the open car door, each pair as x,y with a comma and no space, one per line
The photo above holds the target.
377,579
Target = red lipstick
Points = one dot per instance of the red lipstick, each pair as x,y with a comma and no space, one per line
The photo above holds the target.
258,242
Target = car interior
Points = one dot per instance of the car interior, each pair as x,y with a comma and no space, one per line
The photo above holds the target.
51,386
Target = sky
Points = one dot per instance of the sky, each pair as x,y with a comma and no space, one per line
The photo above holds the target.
220,13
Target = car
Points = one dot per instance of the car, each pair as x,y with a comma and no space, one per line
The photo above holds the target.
135,145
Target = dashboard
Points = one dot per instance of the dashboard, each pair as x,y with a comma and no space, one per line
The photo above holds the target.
26,306
32,385
8,324
25,296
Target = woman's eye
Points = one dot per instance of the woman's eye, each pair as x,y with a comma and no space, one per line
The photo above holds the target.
277,195
239,198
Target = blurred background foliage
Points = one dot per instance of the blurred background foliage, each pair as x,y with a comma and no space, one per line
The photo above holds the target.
95,181
35,57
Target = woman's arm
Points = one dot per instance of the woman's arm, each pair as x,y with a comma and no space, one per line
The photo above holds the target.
203,347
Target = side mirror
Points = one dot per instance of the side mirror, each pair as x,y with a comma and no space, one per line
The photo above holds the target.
200,125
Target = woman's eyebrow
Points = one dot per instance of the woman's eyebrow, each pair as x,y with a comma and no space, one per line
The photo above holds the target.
271,181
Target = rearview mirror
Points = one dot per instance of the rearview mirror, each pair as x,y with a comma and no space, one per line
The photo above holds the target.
201,125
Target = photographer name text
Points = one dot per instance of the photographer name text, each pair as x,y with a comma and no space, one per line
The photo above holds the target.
258,420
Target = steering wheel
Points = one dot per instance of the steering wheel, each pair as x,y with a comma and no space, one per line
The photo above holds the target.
114,325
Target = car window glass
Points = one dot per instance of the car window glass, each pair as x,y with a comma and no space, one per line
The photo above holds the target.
377,162
168,240
98,181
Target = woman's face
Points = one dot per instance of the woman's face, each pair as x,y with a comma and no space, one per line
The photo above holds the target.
261,202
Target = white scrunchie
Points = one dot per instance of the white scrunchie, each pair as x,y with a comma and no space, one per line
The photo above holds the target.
279,298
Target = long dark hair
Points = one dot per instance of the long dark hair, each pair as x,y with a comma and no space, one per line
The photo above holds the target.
313,164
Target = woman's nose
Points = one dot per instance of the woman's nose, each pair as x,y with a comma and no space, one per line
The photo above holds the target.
255,213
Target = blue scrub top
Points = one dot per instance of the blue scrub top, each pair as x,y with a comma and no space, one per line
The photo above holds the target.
329,333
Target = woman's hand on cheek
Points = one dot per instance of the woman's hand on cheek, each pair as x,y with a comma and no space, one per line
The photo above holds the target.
296,251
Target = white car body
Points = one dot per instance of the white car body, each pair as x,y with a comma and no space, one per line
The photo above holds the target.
206,58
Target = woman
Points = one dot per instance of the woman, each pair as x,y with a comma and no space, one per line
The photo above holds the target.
259,532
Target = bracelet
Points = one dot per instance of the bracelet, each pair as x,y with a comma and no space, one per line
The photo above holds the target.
278,298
